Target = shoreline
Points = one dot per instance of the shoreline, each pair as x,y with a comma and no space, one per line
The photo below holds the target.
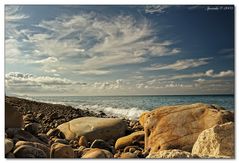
52,115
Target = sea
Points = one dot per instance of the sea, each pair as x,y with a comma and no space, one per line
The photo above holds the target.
132,107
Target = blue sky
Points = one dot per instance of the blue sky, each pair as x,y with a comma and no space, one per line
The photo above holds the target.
119,50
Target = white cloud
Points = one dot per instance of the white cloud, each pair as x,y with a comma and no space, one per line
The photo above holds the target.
150,82
208,73
228,73
180,64
109,85
152,9
90,43
12,14
199,80
48,60
93,72
17,78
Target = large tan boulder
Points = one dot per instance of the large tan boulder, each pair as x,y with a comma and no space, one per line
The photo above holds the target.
217,141
93,128
13,118
178,127
129,139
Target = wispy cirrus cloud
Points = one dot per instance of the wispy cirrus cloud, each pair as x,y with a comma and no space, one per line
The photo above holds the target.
179,64
158,9
13,14
96,42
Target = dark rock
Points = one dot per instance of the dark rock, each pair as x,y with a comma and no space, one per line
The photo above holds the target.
53,132
13,118
43,137
61,135
32,128
53,116
27,151
11,132
9,155
26,136
62,141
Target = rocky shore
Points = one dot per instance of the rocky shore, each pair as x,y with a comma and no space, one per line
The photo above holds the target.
42,130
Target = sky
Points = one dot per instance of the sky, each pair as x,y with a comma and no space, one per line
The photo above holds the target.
85,50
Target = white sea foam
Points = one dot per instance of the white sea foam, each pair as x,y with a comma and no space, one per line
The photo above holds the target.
132,113
41,100
129,113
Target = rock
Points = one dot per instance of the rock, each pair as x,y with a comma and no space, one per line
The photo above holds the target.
28,117
84,150
174,127
36,145
53,116
9,155
97,153
61,135
138,153
129,139
59,150
175,153
53,132
117,155
78,152
132,149
40,116
8,145
62,141
11,132
43,137
99,143
27,151
128,155
32,128
216,141
74,143
93,128
83,141
26,136
13,118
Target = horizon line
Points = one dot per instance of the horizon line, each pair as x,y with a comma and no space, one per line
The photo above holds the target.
118,95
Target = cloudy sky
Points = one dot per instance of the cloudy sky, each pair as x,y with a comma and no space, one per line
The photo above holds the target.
119,50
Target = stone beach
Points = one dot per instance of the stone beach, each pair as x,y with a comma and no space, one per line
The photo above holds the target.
42,130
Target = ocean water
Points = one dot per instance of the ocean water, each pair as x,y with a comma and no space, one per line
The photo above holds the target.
132,106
